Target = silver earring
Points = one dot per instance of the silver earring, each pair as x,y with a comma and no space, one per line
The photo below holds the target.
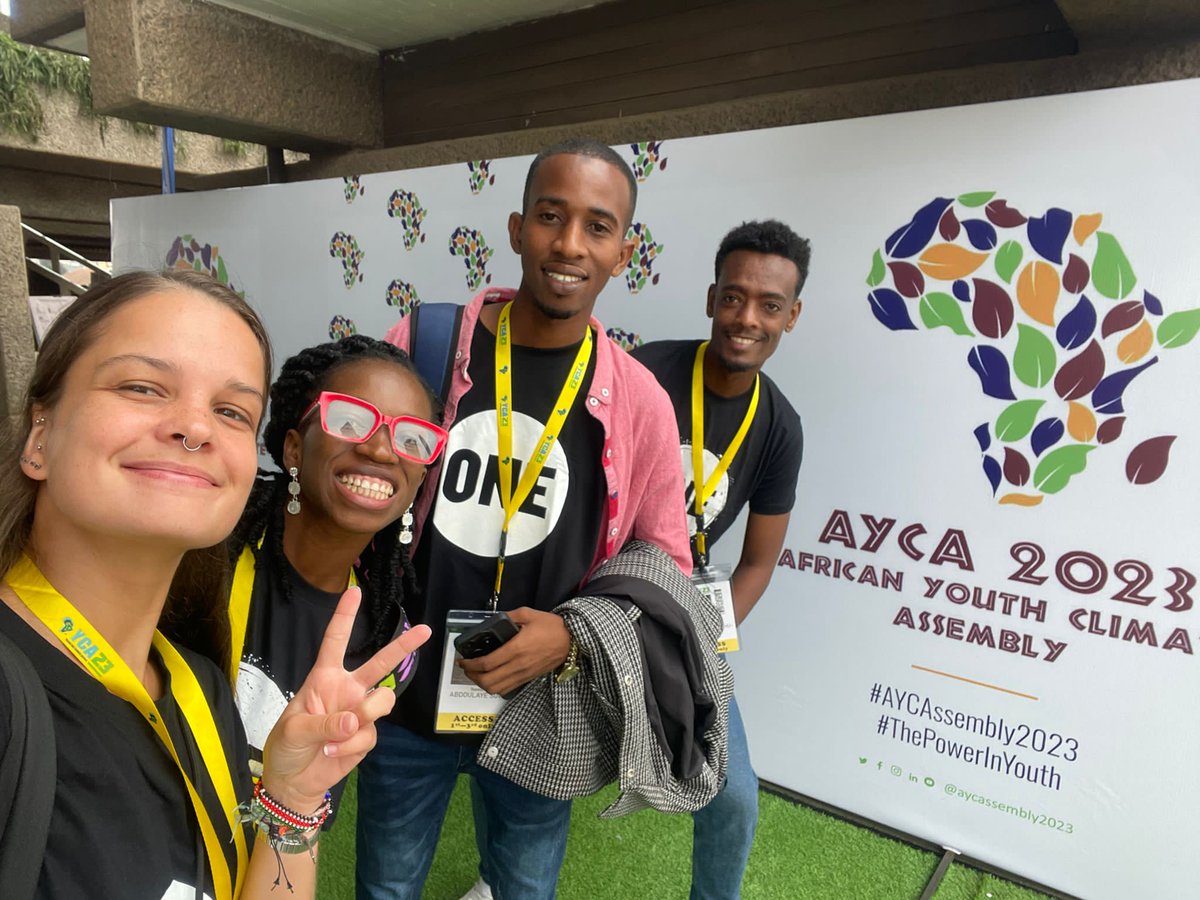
293,488
406,521
29,461
39,446
40,420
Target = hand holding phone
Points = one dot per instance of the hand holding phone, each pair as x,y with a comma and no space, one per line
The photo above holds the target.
489,635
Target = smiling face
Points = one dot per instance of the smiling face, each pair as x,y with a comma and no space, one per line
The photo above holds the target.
752,304
358,488
571,237
168,365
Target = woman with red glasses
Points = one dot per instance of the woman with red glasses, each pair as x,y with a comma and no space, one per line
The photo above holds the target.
351,431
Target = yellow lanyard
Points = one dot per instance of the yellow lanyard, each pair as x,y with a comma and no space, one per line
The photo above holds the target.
554,425
102,662
706,486
239,604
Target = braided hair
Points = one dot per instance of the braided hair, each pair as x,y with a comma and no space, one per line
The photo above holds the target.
385,567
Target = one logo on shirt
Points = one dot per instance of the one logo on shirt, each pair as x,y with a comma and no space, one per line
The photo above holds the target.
715,503
469,511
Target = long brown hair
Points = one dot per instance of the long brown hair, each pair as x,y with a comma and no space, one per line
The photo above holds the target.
196,614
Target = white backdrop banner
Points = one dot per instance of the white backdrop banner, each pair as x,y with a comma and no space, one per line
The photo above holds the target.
982,627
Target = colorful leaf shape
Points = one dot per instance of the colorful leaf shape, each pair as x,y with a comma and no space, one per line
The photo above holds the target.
877,270
983,434
942,310
1047,433
1081,422
1034,360
1122,316
1153,304
1048,232
1111,272
1000,214
907,279
981,235
1106,398
961,290
1016,467
1148,460
992,311
1110,429
1085,226
1022,499
1081,373
1077,325
890,309
976,198
1059,466
991,469
950,261
1017,419
1037,291
1075,275
992,368
948,226
909,239
1136,344
1178,328
1008,257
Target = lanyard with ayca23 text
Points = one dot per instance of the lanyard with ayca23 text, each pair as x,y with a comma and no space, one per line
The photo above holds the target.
504,428
103,663
706,486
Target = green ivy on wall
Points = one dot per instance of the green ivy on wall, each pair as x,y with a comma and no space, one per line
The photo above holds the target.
25,69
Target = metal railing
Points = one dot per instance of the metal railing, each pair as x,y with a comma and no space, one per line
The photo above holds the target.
57,252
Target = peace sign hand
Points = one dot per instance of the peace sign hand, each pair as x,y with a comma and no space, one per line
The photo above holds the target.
329,725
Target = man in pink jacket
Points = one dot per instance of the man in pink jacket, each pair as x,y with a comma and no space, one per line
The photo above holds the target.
561,449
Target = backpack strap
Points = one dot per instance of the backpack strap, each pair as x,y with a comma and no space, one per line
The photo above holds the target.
431,345
28,775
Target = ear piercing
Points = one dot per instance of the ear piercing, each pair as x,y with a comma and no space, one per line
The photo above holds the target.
293,488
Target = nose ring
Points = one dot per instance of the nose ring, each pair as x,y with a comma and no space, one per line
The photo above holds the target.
190,449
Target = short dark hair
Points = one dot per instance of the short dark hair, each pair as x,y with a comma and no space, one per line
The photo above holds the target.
769,236
591,149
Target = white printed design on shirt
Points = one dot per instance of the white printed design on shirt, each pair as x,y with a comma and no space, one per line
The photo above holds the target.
259,701
469,512
716,502
180,891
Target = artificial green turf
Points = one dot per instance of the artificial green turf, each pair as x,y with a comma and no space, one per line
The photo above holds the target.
798,853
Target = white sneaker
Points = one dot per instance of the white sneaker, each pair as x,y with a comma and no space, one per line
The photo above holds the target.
480,890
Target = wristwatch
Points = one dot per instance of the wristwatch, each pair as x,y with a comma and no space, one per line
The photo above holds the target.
570,667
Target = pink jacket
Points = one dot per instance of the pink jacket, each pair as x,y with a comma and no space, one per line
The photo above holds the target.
641,460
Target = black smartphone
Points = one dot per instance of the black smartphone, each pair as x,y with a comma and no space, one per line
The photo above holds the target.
488,635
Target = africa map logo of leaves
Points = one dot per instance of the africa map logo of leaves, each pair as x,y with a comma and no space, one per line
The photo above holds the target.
1076,337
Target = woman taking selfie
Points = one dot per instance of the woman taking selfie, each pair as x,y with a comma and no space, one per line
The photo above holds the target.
132,459
350,431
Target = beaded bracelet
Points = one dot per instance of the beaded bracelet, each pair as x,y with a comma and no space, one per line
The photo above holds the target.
285,831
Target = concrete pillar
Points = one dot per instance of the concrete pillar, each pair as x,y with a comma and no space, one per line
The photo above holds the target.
16,325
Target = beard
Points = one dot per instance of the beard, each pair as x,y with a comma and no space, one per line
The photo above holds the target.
553,312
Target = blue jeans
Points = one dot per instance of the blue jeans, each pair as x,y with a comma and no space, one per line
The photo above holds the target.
404,787
724,830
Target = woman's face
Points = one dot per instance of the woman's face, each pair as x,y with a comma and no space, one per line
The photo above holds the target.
170,365
359,488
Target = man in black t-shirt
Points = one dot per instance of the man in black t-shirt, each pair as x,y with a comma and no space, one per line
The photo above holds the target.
527,364
749,428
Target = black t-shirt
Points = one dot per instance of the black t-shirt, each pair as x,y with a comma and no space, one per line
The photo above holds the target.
552,539
283,635
123,824
765,469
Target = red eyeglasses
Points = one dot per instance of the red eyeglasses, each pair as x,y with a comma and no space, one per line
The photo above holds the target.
355,420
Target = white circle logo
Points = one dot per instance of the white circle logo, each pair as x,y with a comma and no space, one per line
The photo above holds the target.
469,512
716,502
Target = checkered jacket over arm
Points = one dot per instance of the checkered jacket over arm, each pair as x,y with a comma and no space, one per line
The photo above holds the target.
569,740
